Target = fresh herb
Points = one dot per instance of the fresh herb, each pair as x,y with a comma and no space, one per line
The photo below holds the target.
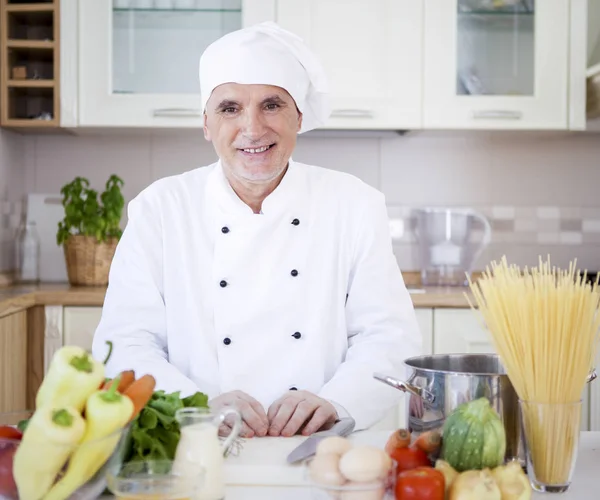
155,431
85,215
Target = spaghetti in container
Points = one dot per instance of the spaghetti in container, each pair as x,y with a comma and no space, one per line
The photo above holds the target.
544,325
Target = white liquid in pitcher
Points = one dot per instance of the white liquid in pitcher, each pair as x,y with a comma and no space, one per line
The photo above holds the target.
199,445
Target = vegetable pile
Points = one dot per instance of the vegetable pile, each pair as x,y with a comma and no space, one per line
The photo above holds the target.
81,420
465,461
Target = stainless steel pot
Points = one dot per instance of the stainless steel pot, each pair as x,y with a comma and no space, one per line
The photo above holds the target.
441,382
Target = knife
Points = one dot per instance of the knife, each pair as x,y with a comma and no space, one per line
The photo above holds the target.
308,447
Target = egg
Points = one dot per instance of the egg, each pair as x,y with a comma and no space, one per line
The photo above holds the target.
324,470
333,444
364,464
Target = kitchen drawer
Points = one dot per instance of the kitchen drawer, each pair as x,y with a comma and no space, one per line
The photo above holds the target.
79,325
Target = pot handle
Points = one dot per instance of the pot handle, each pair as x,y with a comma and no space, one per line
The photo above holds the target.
592,376
424,394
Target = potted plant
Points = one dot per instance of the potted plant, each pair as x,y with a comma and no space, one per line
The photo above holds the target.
90,230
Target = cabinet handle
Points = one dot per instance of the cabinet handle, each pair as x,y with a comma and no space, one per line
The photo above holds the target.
498,114
352,113
177,112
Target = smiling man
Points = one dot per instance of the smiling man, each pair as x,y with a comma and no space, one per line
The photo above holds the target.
265,283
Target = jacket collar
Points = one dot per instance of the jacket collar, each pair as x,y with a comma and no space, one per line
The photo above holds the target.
289,195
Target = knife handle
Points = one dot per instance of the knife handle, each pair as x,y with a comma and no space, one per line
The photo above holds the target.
342,427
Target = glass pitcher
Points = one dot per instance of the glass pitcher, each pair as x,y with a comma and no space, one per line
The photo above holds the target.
450,241
200,446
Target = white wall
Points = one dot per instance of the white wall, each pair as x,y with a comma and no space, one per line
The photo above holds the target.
540,189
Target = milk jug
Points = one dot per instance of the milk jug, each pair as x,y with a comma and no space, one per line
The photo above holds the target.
200,448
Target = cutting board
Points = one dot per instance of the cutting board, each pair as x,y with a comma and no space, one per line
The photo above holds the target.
262,461
47,211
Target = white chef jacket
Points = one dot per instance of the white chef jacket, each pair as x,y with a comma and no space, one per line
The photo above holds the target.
208,296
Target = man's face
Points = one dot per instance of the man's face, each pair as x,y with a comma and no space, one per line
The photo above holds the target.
253,129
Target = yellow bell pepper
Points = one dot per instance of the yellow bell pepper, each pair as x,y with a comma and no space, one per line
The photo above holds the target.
72,376
50,438
106,412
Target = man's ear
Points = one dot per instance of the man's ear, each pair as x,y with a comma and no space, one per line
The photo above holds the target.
299,121
205,128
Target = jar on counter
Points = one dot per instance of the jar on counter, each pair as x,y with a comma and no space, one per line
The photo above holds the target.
28,253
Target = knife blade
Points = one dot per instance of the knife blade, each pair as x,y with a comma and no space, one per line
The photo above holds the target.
308,447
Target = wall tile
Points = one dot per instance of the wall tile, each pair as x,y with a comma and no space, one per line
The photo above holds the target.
175,153
571,225
591,225
571,237
503,213
59,159
435,169
356,156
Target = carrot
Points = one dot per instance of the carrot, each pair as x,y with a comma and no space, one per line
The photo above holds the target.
429,441
399,439
140,392
127,378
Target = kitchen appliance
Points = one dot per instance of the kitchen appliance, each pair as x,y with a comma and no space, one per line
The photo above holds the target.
449,244
308,448
46,211
441,382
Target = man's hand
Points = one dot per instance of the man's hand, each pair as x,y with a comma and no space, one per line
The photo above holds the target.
254,418
300,409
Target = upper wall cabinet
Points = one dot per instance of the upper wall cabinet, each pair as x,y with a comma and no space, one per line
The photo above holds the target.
138,59
372,53
497,64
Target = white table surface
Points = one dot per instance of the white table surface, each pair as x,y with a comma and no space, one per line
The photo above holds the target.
259,471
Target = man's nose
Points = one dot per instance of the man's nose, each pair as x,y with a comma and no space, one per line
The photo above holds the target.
254,124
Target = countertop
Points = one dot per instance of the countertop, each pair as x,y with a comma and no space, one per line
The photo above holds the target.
260,472
19,297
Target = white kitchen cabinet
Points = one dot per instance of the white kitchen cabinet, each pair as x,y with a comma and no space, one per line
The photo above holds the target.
460,331
138,62
497,68
79,325
372,54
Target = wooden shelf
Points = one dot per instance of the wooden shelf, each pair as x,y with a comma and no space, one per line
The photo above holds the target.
30,44
30,65
29,7
31,84
30,123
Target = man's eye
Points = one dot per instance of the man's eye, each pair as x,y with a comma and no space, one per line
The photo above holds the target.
272,106
229,110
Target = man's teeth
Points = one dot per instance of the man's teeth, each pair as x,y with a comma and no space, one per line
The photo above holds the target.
259,150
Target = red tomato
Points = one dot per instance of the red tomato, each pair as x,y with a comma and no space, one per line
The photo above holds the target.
422,483
8,488
8,432
409,458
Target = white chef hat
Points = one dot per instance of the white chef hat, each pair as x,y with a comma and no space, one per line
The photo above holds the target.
267,54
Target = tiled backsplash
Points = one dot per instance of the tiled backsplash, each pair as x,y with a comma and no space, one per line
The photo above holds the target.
531,225
539,190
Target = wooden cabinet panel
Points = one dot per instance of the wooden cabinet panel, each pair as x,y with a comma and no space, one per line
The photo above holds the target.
13,362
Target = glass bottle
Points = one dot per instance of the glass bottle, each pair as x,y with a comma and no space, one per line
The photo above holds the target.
28,253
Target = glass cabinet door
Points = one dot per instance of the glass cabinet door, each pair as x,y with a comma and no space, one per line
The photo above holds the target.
156,44
496,63
495,43
139,59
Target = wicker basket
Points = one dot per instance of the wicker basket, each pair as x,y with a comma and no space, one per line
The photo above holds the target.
88,261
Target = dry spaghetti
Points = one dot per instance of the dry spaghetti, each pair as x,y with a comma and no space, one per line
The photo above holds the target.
544,325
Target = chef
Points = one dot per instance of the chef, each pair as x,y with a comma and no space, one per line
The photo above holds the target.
265,283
